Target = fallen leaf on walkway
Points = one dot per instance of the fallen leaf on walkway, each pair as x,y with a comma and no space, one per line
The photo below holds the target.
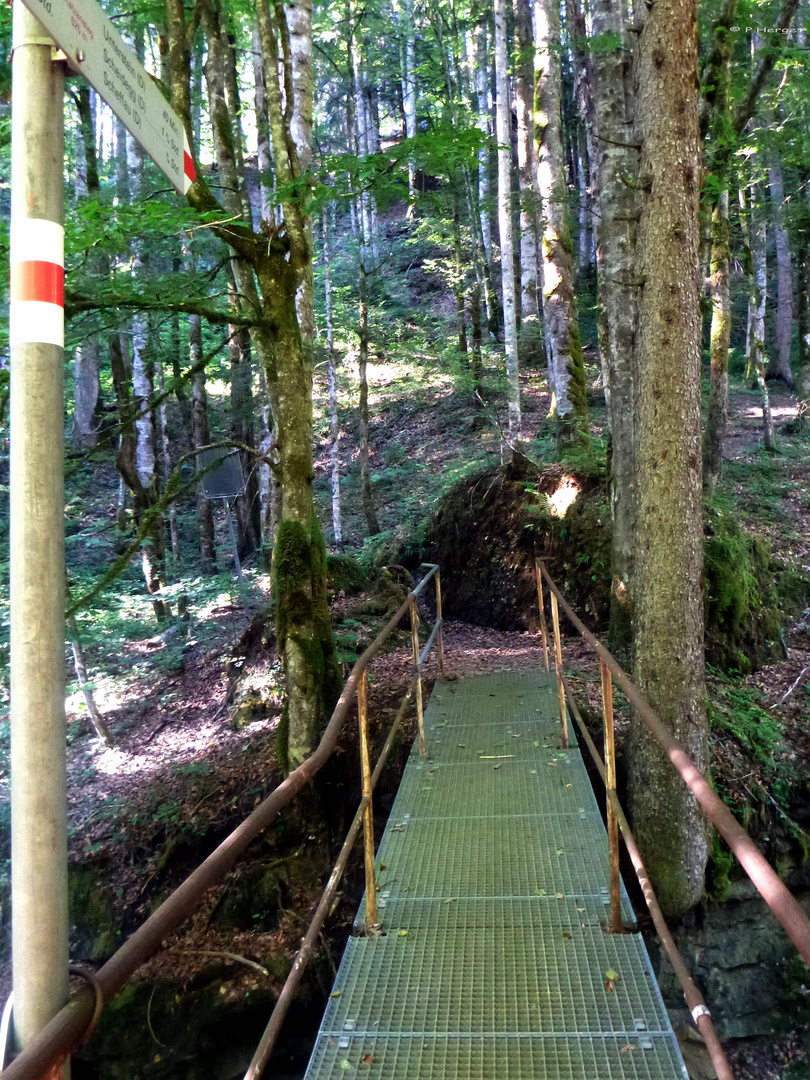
335,993
402,933
367,1059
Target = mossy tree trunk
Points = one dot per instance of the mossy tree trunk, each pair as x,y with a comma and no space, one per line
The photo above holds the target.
565,360
720,338
669,666
278,265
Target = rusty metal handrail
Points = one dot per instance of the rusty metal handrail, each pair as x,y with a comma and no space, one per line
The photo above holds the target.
695,1001
62,1034
285,998
774,892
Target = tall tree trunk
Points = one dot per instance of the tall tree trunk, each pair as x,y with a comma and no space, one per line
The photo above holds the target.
200,436
585,244
262,135
459,275
614,165
242,430
408,79
779,367
334,423
481,89
566,363
369,509
163,424
281,263
669,667
360,135
477,343
144,496
720,338
530,344
504,136
87,357
756,271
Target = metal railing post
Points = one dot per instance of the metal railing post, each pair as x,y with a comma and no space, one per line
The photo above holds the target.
610,783
418,665
368,818
555,618
541,606
440,621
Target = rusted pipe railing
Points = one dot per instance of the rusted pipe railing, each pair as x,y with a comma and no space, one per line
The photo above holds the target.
417,660
285,998
56,1040
610,784
776,895
694,999
555,630
368,817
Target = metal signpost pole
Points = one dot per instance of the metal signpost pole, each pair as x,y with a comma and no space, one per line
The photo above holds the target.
38,800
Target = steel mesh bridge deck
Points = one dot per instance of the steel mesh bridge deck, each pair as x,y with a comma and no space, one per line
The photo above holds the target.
492,891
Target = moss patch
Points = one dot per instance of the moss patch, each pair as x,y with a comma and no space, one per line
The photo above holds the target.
748,593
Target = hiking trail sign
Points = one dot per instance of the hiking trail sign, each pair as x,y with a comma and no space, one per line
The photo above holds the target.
97,51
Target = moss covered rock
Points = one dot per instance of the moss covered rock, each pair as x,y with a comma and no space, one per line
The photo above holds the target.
748,595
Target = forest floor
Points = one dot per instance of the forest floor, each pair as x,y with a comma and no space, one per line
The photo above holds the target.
182,773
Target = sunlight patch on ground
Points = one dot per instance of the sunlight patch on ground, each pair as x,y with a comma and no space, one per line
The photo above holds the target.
563,497
778,412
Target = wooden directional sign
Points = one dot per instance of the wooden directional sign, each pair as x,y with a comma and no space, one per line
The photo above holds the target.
96,50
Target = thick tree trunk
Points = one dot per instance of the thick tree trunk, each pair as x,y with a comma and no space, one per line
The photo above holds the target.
504,136
615,164
565,360
720,338
779,367
281,263
669,667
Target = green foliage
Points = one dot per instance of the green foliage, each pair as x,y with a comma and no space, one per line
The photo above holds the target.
736,709
743,596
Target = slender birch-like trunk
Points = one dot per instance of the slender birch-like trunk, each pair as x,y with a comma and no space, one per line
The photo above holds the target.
530,342
165,447
334,424
756,268
200,436
408,79
265,157
779,366
504,136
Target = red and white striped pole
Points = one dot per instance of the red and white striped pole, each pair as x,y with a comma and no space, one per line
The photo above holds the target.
36,332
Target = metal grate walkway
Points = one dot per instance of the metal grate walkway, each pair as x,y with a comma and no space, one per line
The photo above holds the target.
492,882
